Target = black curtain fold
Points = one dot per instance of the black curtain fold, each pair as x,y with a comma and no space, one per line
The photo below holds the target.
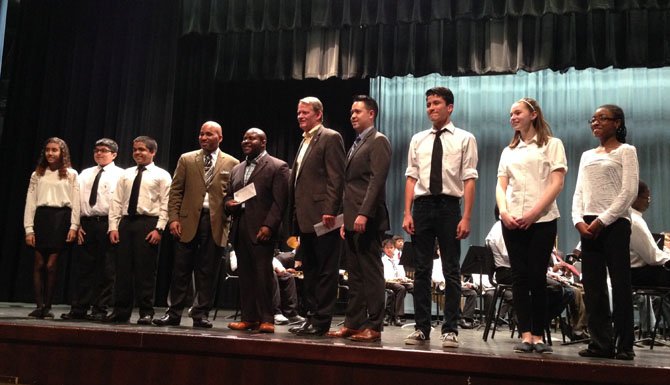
225,16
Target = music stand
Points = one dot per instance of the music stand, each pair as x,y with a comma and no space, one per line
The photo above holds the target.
477,261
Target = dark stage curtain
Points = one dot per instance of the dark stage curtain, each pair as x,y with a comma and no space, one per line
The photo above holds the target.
82,70
297,39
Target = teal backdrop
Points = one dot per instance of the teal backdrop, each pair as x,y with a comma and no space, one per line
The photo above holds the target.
567,99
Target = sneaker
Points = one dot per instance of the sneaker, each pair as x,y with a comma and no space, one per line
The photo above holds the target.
449,340
280,319
543,348
296,319
523,347
416,338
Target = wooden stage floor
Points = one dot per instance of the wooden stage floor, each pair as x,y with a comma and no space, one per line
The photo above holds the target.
62,352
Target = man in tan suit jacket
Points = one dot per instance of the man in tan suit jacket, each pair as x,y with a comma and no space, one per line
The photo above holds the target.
199,225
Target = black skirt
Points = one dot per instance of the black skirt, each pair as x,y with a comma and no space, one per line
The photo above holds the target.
51,226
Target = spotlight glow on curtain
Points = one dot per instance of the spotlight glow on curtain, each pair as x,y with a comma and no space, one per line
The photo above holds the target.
482,107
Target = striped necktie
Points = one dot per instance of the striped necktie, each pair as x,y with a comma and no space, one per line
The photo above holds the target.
209,170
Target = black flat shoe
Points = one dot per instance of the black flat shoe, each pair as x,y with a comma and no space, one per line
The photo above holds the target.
595,353
626,356
524,347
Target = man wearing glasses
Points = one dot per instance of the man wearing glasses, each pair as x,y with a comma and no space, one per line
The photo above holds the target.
95,262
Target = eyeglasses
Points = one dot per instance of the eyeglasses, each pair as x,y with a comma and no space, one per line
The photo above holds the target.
600,119
101,150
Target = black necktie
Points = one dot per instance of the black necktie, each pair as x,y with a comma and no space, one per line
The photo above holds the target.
135,192
436,165
94,189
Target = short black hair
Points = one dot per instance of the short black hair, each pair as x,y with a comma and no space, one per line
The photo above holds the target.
109,143
148,141
443,92
369,102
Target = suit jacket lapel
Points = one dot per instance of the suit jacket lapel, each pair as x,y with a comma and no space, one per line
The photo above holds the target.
259,166
200,164
360,145
312,143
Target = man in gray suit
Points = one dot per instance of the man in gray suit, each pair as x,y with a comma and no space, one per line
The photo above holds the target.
316,186
255,228
365,221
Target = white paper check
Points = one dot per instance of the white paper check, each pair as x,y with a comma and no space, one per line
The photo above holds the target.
321,229
245,193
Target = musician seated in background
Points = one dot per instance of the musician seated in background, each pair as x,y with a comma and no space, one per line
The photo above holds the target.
469,291
650,266
573,295
503,271
396,281
284,293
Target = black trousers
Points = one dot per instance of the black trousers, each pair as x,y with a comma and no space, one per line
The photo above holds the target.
436,217
529,252
136,263
365,309
320,258
199,258
285,296
396,302
609,252
94,287
254,267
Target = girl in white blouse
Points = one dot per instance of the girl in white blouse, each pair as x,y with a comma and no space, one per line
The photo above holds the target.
530,177
51,218
606,187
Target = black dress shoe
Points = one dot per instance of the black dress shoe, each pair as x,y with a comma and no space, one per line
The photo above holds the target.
312,330
167,320
73,315
203,323
295,329
465,324
96,317
595,353
145,319
117,318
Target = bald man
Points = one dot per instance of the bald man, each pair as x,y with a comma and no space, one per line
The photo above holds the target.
199,225
255,228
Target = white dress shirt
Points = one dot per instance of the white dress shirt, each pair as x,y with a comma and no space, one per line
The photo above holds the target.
152,200
528,168
459,160
392,270
643,249
307,138
106,187
606,184
496,242
50,190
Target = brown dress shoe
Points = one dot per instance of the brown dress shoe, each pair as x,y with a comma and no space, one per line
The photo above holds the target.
344,332
243,325
367,335
266,327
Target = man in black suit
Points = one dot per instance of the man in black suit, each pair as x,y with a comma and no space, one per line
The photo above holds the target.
365,221
316,187
255,227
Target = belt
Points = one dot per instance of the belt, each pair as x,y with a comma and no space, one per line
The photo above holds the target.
440,197
95,218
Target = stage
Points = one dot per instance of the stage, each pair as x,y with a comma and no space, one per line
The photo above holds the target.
64,352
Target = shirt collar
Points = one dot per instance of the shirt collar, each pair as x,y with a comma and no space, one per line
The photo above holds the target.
256,159
109,165
215,153
449,127
522,143
365,132
309,134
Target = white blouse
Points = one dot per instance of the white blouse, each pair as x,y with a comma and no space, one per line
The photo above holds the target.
606,184
528,168
50,190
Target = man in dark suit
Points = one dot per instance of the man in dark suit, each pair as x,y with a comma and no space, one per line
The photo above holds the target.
255,227
317,180
199,225
365,221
